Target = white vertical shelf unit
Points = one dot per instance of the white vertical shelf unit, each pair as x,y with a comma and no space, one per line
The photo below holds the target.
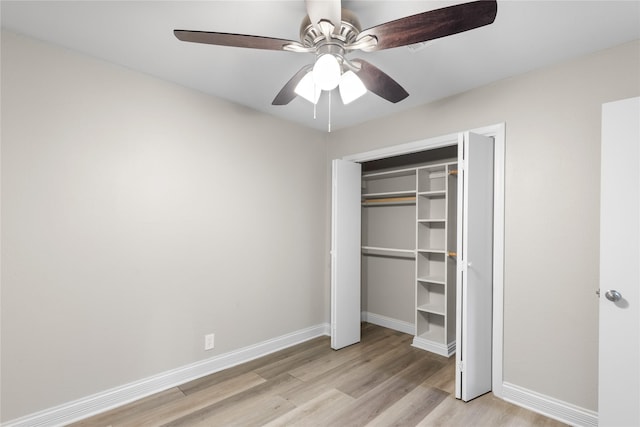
436,200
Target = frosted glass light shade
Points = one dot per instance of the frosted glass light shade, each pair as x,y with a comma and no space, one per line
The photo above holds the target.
351,87
308,89
326,72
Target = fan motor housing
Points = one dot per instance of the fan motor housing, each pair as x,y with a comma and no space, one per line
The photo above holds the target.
311,37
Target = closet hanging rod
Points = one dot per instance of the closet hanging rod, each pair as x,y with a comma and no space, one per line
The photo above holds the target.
388,252
453,172
377,248
390,200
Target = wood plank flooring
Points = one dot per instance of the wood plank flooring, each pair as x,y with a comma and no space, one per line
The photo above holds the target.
382,381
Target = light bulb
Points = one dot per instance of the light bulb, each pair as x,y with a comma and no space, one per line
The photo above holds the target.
326,72
351,87
308,89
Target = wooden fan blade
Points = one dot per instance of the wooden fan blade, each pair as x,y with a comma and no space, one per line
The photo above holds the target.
432,24
287,93
234,40
328,10
378,82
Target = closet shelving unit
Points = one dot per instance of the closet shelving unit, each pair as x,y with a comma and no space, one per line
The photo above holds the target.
435,259
432,191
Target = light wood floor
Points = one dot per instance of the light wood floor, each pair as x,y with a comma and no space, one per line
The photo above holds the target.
382,381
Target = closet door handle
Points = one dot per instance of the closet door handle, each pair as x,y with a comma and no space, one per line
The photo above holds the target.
613,295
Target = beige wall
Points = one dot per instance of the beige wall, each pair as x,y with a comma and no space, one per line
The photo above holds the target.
552,166
388,284
136,217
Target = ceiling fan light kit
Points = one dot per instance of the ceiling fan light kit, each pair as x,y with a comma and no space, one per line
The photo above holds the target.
331,33
327,72
351,87
308,89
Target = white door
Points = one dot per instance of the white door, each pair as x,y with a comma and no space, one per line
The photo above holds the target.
345,253
475,266
619,338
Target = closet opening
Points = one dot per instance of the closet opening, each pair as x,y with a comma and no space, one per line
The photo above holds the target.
408,238
422,240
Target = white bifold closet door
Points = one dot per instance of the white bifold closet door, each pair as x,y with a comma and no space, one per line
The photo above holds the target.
474,294
345,253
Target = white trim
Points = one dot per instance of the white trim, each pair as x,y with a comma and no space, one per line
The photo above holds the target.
407,148
496,131
118,396
388,322
498,258
549,406
434,347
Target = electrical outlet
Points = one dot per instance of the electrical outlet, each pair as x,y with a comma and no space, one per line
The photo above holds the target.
209,341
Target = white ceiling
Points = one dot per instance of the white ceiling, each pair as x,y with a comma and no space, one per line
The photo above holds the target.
526,35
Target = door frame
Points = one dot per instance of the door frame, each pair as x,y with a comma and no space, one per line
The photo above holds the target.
496,131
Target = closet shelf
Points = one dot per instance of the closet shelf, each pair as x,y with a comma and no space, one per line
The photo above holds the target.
410,200
389,174
388,252
439,280
432,220
389,194
437,193
432,308
435,335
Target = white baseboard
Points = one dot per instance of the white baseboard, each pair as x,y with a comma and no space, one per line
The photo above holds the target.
446,350
548,406
109,399
388,322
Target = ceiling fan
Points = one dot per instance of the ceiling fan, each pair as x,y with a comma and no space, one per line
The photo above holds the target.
331,33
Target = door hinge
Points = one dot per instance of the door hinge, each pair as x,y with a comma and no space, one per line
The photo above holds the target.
598,292
460,366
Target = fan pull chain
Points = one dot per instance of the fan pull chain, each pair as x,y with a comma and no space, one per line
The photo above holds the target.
315,104
329,124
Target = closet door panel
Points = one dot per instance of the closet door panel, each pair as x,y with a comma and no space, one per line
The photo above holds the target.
345,253
475,280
